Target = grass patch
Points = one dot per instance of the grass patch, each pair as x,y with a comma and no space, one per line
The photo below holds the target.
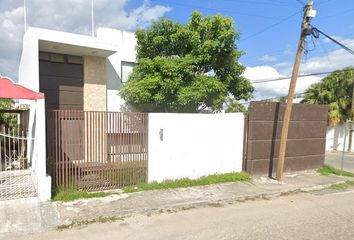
186,182
342,186
71,195
326,170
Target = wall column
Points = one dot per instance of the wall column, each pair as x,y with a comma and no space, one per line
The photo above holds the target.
95,87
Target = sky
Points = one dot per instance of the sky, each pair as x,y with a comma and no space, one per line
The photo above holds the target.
269,31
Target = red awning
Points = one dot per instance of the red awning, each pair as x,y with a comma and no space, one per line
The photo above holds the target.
9,89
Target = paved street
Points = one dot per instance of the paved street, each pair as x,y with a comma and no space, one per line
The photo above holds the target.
302,216
335,158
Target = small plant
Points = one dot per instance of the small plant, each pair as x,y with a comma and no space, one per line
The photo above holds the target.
326,170
342,186
186,182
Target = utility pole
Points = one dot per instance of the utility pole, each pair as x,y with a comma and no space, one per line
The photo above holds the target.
351,117
308,13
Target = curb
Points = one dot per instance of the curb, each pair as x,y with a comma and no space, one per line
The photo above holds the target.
168,208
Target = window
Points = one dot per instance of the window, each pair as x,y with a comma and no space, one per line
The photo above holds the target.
127,68
74,59
60,58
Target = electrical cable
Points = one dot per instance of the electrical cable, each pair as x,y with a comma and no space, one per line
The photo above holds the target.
301,2
215,9
270,26
300,76
316,32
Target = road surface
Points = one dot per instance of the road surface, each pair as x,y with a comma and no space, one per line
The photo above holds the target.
335,159
301,216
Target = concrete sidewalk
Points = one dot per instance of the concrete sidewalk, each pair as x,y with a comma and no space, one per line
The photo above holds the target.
33,216
158,201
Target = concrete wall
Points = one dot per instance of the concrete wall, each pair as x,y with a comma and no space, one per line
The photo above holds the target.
306,137
126,42
37,151
94,83
193,145
335,138
28,74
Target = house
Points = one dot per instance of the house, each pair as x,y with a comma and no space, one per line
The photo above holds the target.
75,71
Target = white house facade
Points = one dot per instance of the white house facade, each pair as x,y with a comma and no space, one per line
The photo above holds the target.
75,71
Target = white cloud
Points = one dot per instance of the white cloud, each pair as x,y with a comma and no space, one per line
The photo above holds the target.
338,38
288,52
331,61
334,60
66,15
272,89
11,31
268,58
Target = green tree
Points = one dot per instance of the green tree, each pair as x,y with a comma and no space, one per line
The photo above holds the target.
7,120
234,106
336,90
186,68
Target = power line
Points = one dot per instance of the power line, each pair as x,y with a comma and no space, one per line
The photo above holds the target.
300,76
297,95
301,2
215,9
324,2
269,3
338,14
237,13
270,26
315,32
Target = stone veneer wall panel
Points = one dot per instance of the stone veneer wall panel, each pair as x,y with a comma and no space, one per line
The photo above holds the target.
95,88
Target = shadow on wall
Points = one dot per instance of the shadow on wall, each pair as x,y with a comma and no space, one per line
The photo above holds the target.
335,138
338,134
274,139
113,79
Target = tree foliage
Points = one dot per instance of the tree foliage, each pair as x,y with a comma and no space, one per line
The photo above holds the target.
7,120
234,106
186,68
336,90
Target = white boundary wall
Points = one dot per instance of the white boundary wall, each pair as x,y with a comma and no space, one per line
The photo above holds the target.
193,145
37,150
335,138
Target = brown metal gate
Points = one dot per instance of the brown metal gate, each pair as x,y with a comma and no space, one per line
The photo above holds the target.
97,150
306,139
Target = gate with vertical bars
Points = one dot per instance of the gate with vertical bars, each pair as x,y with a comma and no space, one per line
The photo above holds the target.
15,176
96,150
